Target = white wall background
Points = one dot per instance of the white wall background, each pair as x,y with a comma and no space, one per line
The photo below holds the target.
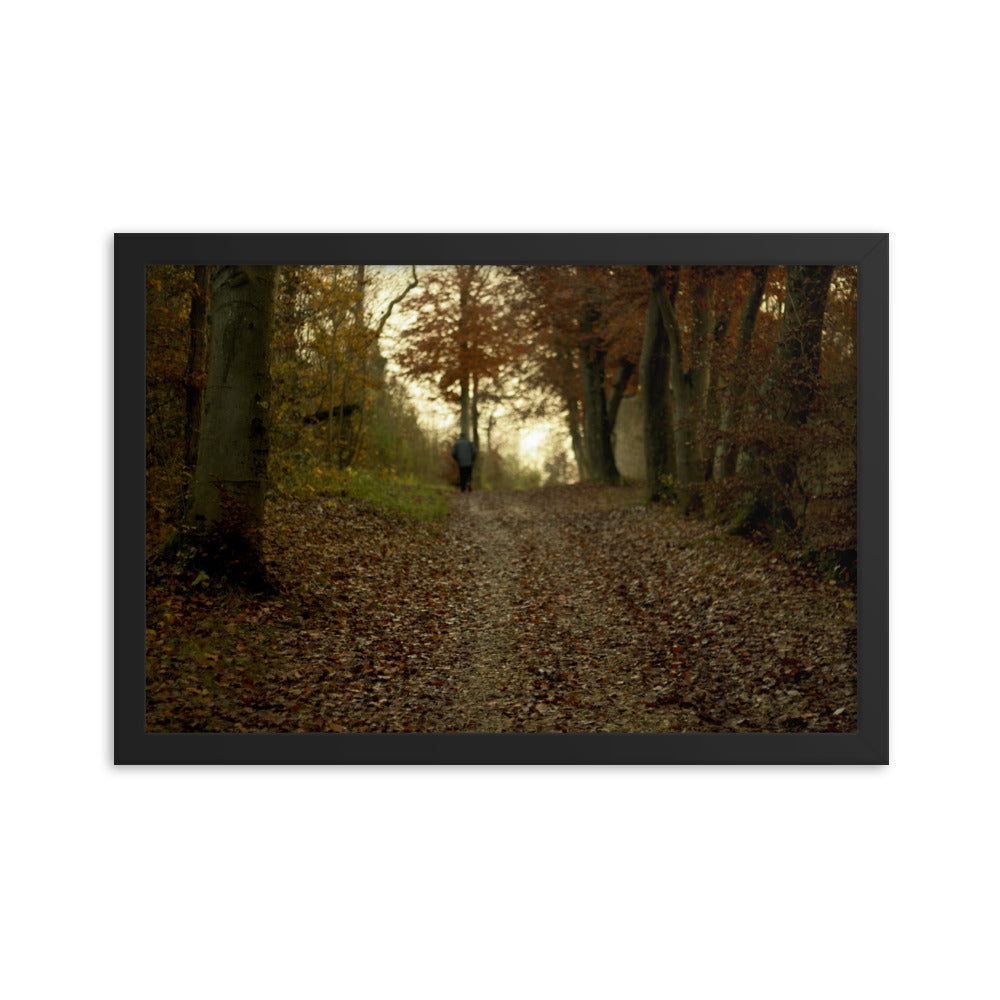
474,882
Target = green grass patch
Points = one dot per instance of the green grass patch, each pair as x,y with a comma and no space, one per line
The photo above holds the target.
385,492
391,494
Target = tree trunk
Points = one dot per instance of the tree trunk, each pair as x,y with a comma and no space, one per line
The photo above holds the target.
487,473
793,378
332,369
657,419
349,436
725,452
227,506
477,466
596,426
464,294
193,378
576,438
793,375
714,392
624,375
464,406
687,388
568,381
790,389
706,328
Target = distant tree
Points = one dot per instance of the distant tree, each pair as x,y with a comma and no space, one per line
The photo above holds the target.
597,422
326,361
461,340
791,387
398,442
785,430
586,324
793,378
689,365
654,377
724,462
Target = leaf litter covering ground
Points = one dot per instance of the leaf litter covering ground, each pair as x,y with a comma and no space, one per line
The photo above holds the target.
568,609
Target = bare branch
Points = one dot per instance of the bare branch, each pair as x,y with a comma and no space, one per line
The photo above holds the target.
399,298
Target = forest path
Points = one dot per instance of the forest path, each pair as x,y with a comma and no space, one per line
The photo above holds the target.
491,675
583,609
563,609
536,635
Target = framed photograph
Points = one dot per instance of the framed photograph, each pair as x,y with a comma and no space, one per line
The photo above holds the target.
501,498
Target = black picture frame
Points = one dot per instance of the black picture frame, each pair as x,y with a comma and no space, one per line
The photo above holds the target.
133,252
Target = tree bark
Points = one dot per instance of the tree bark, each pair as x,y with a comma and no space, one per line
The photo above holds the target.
576,438
725,452
230,480
464,407
793,379
354,365
569,395
654,382
351,436
464,292
793,374
687,391
790,388
193,379
331,362
706,328
596,425
624,375
474,407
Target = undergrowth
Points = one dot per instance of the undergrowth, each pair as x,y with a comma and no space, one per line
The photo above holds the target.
384,491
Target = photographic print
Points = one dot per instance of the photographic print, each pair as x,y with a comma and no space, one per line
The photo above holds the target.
505,498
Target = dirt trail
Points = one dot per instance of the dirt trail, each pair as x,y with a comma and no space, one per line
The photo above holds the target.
585,610
536,625
491,674
528,612
570,609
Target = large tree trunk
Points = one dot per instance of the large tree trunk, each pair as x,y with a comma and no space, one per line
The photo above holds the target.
596,425
227,506
657,419
687,389
193,379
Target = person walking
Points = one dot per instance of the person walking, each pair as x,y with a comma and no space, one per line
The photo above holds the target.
464,453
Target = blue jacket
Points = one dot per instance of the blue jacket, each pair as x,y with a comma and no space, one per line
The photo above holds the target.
464,452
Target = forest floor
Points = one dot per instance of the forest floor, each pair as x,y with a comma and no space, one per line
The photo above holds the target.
564,609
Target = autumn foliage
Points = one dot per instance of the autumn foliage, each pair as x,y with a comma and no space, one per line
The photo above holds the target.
687,599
